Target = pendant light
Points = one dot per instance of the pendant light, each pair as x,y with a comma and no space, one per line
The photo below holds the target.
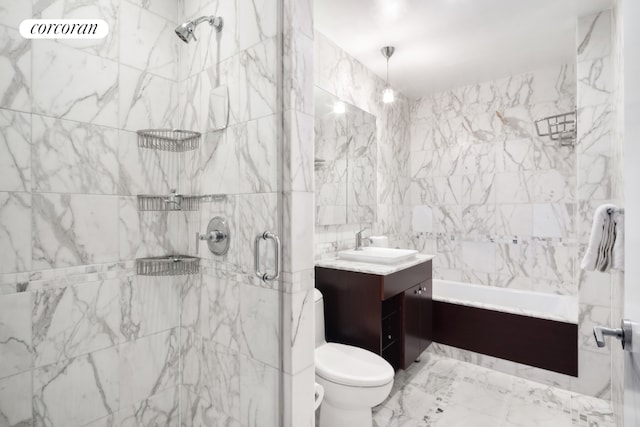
387,95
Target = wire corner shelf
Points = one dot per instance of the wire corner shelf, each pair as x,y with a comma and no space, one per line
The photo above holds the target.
148,202
169,265
174,140
559,127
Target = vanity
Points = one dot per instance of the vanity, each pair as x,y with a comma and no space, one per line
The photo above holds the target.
386,309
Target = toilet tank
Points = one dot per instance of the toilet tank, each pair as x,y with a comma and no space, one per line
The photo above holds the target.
318,307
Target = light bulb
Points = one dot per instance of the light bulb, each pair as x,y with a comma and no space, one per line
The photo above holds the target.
388,96
339,107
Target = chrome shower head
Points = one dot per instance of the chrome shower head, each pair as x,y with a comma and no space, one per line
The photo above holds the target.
186,30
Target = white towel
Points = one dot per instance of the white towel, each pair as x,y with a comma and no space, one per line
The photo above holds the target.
601,238
618,247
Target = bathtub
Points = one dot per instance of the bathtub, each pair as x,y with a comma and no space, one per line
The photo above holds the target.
536,304
531,328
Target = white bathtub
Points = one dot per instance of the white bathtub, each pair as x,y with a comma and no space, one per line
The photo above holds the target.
536,304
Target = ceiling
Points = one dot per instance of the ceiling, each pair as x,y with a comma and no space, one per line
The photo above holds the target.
442,44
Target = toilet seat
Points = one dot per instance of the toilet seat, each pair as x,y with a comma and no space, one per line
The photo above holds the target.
352,366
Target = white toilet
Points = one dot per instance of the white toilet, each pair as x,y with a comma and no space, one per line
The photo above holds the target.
354,379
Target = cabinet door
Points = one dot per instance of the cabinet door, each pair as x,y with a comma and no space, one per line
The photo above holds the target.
413,330
426,313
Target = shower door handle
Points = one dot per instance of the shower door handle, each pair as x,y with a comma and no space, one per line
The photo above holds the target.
267,235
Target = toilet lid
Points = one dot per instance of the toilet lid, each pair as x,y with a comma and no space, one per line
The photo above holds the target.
354,366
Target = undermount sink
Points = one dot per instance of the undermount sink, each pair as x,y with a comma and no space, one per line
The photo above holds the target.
377,255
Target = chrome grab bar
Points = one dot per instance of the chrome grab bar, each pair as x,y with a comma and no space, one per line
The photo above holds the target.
267,235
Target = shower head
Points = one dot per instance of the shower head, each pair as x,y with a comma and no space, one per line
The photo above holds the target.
185,30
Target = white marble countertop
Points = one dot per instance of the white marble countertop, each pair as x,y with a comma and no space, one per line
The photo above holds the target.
365,267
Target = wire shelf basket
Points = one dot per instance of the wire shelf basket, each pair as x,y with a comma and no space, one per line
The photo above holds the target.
560,127
171,265
148,202
175,140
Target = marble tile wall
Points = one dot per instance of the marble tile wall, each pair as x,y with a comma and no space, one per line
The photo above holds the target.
84,341
599,174
344,77
503,199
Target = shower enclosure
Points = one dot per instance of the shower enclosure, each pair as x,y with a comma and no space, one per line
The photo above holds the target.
115,155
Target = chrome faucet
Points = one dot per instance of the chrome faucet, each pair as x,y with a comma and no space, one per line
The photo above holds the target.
360,239
174,199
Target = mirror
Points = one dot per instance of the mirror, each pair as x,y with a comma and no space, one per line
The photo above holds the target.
345,162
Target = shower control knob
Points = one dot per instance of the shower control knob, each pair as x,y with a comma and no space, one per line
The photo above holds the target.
214,236
217,236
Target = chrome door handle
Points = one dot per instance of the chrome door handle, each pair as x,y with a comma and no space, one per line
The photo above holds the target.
623,334
267,235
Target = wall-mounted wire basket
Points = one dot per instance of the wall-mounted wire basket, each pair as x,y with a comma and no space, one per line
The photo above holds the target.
560,127
171,265
148,202
175,140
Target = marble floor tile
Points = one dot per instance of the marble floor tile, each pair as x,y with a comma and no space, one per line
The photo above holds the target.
443,392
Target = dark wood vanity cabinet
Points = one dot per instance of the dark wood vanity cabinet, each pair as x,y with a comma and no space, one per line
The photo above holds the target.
388,315
418,320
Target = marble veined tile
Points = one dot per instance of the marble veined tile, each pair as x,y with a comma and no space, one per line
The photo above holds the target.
75,320
147,101
220,400
594,36
258,403
257,21
15,400
148,305
76,391
160,409
74,157
167,9
15,232
554,186
259,326
149,41
554,220
15,151
219,162
256,152
70,230
71,84
15,334
148,366
13,13
256,89
142,234
15,67
223,305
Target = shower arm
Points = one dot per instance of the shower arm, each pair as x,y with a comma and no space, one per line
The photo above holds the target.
214,21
